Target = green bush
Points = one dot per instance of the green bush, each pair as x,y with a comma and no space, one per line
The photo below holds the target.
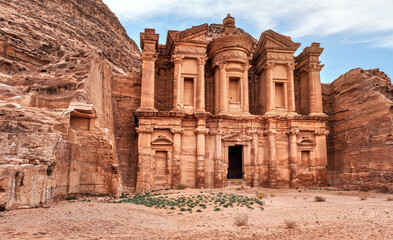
71,198
181,186
187,203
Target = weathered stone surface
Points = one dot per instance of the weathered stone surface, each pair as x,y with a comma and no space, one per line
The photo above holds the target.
82,111
201,125
360,143
59,131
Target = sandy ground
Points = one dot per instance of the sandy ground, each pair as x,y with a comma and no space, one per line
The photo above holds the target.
342,216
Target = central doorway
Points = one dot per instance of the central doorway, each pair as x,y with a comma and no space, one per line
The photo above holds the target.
235,162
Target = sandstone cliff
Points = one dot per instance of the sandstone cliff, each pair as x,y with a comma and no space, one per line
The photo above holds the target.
60,62
360,143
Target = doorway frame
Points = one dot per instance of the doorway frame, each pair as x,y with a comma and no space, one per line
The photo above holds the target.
246,157
242,160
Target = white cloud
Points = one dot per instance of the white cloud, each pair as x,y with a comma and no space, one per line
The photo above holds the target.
296,18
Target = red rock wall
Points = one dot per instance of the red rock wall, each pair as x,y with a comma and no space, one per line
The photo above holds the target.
61,133
126,92
360,144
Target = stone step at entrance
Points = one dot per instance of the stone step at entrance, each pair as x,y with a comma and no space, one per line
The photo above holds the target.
235,183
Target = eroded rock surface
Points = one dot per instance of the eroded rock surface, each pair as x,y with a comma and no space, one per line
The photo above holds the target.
58,130
360,143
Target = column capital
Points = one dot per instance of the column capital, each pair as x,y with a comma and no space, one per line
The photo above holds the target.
203,131
312,67
177,59
152,57
246,66
222,65
216,132
144,130
321,131
270,132
177,130
202,60
268,65
291,66
293,131
253,132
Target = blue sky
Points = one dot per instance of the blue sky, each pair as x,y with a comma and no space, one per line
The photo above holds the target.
354,33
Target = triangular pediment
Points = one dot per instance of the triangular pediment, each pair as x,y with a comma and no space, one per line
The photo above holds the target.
236,137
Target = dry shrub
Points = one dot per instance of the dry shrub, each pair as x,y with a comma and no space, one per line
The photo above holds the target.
389,198
319,199
272,195
363,197
260,195
241,220
291,224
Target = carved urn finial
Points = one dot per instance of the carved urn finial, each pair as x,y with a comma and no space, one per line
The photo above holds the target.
229,21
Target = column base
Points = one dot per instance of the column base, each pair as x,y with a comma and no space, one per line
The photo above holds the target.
318,114
222,112
200,111
177,110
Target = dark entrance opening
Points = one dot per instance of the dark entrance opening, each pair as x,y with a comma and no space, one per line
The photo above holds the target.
235,162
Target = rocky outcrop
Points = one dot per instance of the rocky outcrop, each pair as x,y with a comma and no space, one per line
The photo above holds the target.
360,143
60,130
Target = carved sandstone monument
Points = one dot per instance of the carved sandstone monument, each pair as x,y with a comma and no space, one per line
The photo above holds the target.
84,112
219,110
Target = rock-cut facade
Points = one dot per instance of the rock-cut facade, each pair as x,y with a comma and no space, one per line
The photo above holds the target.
224,109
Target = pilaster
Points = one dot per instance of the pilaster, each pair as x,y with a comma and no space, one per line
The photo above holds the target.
218,173
200,93
245,97
144,159
254,158
320,155
271,161
291,87
224,88
148,79
176,162
201,132
269,86
293,157
177,83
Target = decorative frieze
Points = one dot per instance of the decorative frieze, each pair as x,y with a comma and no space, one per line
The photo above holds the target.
321,131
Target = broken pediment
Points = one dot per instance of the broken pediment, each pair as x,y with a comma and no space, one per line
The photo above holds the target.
271,40
194,33
162,140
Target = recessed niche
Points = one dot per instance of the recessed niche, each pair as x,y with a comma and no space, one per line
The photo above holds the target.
234,90
161,162
80,123
306,159
279,95
188,91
